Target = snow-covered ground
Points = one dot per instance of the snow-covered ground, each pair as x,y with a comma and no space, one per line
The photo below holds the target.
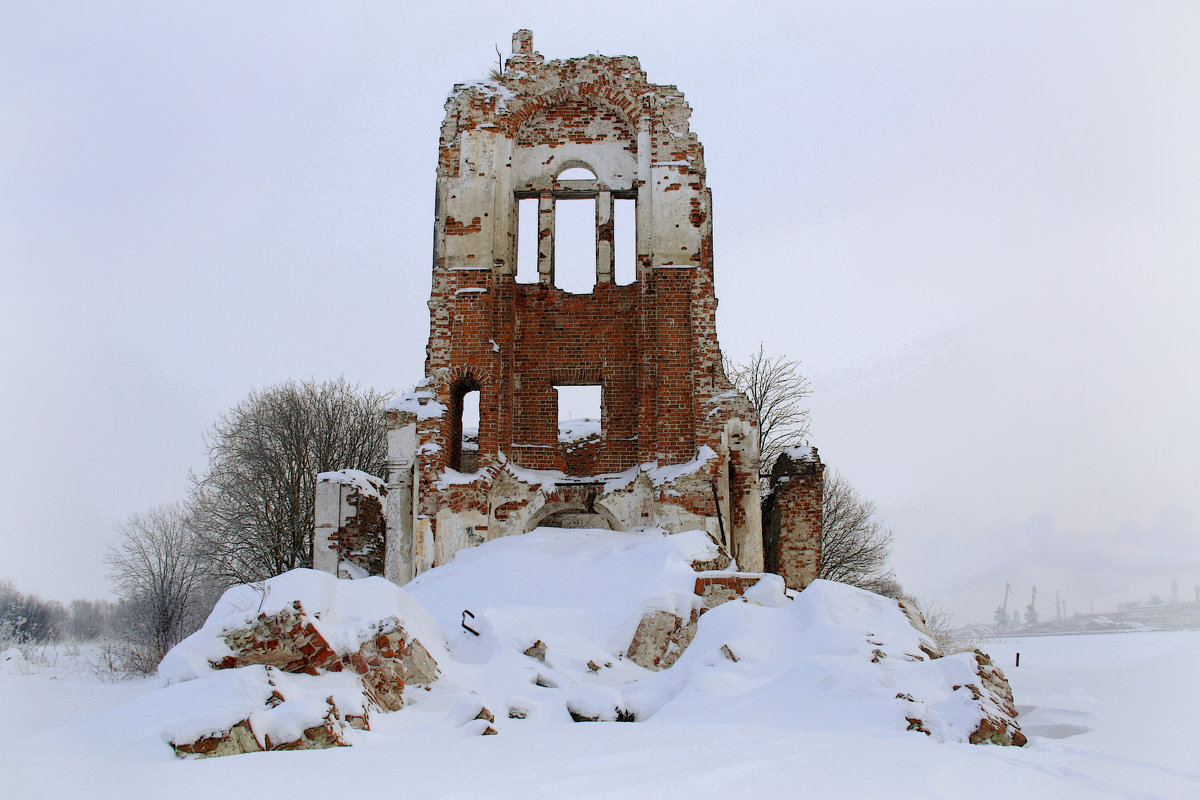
1109,715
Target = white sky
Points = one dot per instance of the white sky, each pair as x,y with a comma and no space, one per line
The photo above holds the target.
977,224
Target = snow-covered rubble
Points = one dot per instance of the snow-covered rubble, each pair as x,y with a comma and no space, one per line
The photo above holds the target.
296,661
570,626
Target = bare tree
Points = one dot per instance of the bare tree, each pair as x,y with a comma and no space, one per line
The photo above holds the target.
779,394
855,546
254,506
155,571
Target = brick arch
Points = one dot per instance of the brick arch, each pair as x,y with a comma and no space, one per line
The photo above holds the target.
624,104
457,374
458,382
550,509
575,375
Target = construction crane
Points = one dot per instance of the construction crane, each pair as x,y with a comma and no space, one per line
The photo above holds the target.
1031,617
1002,609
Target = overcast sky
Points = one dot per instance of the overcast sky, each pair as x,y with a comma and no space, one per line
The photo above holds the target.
976,224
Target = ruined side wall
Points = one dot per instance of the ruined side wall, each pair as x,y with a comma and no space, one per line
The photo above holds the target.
350,537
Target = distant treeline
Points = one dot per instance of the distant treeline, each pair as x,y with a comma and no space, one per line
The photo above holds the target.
27,619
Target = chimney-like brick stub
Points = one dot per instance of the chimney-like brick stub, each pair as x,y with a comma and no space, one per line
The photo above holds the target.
792,517
522,42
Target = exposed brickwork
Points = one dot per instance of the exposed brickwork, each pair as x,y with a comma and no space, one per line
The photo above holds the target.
361,540
329,730
290,641
723,587
350,535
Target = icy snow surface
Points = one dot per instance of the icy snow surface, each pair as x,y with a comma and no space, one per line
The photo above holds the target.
1108,715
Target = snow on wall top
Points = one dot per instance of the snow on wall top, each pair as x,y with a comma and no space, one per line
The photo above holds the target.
420,401
366,483
548,479
800,453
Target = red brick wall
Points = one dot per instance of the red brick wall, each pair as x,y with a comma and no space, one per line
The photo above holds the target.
792,520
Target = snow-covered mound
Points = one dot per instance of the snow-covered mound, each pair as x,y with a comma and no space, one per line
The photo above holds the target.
837,658
560,626
12,662
832,657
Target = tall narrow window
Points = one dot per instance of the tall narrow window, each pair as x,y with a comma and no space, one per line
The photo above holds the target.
527,240
624,241
464,425
575,245
469,455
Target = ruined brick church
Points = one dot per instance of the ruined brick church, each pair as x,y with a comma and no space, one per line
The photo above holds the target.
677,447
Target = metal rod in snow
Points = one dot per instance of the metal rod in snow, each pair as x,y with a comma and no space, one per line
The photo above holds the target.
720,519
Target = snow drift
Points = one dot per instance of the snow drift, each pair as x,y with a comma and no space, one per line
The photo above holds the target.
569,626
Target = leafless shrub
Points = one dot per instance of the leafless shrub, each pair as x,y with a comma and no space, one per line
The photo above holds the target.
940,622
27,619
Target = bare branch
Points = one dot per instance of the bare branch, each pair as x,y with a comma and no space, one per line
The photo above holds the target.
855,546
779,393
254,506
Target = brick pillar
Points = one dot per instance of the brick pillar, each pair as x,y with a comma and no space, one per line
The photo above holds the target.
792,517
604,237
349,539
402,453
546,239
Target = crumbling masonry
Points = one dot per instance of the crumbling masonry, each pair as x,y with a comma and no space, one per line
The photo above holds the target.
677,446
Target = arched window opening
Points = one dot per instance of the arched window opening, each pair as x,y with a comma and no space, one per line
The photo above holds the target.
577,174
527,240
624,241
464,426
575,245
